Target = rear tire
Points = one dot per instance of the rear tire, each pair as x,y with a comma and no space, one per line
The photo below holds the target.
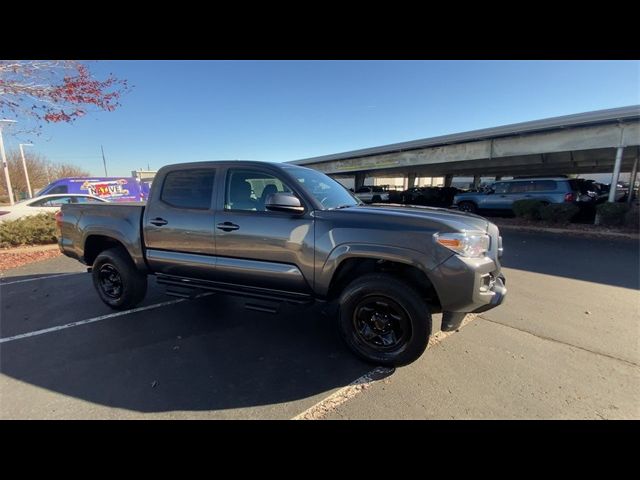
384,320
117,280
469,207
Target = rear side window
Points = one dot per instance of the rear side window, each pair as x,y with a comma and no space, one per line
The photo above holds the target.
86,200
544,185
191,188
520,187
52,202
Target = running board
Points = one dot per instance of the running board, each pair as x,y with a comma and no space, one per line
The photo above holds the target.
261,307
177,285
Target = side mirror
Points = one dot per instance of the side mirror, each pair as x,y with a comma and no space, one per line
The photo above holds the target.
283,202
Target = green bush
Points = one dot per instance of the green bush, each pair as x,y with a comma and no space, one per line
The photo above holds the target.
38,229
611,213
528,209
558,212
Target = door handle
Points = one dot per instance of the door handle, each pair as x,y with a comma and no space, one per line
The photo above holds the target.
228,226
158,222
503,196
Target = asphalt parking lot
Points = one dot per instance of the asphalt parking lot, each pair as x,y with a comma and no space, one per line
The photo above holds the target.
565,344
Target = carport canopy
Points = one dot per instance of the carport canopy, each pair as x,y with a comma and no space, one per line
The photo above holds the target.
601,141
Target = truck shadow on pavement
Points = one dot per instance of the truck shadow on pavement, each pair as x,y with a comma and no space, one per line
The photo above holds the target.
209,354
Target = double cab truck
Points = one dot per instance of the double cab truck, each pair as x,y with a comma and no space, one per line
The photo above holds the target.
284,233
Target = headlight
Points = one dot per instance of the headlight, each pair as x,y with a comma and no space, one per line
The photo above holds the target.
468,244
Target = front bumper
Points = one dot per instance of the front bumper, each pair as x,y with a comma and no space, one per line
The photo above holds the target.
469,285
452,320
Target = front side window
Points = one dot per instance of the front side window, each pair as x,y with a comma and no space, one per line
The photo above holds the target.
192,188
500,187
249,190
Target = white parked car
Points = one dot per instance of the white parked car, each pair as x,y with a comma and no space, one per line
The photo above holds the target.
43,204
371,194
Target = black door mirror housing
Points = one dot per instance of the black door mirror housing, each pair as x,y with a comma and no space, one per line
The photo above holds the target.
283,202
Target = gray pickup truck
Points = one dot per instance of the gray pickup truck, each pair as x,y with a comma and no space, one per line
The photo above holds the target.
284,233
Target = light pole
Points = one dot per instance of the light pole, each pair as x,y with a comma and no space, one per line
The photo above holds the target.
24,165
5,167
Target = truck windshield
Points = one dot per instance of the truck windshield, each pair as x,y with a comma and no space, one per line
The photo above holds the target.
324,189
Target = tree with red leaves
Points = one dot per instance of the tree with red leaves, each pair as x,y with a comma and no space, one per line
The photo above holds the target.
54,91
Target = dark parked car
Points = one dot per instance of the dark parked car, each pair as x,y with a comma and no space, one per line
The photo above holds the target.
428,196
279,232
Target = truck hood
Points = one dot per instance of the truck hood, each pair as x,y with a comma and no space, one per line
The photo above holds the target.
456,219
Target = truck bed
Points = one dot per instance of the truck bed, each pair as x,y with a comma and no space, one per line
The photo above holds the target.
83,226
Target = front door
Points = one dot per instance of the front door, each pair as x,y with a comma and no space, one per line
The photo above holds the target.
499,199
257,247
179,224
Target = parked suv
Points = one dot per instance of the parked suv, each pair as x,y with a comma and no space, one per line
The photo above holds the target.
501,195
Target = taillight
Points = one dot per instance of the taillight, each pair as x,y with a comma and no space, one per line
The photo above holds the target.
59,219
568,197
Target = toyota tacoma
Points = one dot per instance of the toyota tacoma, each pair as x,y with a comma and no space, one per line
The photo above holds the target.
285,233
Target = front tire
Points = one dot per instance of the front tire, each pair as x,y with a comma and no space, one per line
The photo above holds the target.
117,280
384,320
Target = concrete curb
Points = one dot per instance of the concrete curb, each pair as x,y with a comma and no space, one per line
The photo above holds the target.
570,231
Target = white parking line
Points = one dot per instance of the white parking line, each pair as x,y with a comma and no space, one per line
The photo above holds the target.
90,320
40,278
337,398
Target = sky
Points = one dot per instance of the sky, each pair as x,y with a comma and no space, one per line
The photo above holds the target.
183,111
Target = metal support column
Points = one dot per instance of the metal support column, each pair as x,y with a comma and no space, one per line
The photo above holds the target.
632,179
5,167
411,180
448,179
616,167
616,175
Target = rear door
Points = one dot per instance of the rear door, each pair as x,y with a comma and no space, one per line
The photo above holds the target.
179,223
520,191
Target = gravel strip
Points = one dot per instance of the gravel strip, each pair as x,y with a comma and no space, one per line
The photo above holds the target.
11,259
